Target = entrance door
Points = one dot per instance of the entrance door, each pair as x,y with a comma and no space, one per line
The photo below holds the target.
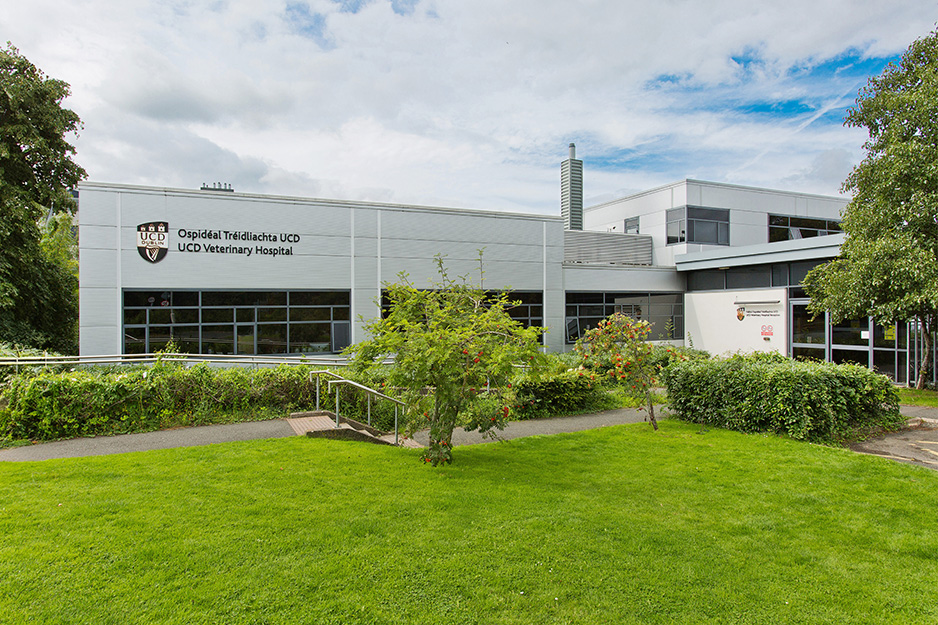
809,338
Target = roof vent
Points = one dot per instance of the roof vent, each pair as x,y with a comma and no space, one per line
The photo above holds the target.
217,186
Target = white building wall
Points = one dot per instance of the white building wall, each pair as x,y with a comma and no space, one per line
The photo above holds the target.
749,210
340,246
725,322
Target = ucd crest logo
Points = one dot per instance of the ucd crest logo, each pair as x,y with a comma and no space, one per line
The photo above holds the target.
153,240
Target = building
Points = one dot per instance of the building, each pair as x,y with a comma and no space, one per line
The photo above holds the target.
221,272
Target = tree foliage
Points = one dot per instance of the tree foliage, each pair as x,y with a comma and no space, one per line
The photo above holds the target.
38,306
618,348
888,264
455,350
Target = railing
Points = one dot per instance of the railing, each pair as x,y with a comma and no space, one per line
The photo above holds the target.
369,392
220,359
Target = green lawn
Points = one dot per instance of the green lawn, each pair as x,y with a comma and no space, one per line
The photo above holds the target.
618,525
915,397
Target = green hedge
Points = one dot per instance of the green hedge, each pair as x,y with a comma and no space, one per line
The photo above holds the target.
559,393
49,403
95,401
769,393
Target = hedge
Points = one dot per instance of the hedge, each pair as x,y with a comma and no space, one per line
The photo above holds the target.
812,401
49,403
93,401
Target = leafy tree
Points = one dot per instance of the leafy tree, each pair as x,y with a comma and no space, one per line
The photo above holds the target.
618,347
38,306
455,350
888,264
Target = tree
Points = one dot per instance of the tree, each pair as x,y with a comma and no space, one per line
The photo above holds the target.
37,303
888,265
618,347
455,350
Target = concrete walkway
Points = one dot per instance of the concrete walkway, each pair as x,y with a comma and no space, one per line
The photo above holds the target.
278,428
918,445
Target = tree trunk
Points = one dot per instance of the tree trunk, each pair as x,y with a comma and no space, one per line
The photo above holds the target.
926,355
651,409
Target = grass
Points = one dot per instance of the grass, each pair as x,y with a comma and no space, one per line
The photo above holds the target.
617,525
915,397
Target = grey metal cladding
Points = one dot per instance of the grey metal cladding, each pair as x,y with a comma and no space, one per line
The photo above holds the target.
606,248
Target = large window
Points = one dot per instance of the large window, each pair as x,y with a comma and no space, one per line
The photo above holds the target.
692,224
665,312
786,227
237,322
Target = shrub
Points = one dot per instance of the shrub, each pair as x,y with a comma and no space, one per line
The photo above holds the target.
770,393
554,393
90,401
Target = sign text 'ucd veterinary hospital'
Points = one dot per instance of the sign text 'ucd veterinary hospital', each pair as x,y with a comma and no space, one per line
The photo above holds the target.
153,242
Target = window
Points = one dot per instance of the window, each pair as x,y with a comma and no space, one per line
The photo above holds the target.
786,227
692,224
631,225
243,322
665,312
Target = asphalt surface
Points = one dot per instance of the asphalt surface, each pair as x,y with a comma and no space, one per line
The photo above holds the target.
917,444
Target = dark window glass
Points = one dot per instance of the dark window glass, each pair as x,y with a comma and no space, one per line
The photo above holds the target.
708,214
833,225
804,222
778,220
271,314
807,353
676,231
217,315
135,317
160,315
800,269
707,280
184,315
778,234
780,274
310,337
585,298
243,315
187,338
748,277
135,340
859,357
320,298
884,362
850,332
272,338
806,330
217,339
159,337
245,339
309,314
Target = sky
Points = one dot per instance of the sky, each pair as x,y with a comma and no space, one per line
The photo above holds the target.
465,104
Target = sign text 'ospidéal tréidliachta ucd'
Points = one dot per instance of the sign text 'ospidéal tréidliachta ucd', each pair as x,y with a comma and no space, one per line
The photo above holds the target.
242,242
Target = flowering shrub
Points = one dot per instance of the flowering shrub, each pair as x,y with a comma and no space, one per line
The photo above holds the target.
618,349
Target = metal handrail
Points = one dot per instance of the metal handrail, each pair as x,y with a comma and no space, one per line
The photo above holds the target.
370,392
153,357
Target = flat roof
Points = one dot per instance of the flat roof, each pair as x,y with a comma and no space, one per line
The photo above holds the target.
779,252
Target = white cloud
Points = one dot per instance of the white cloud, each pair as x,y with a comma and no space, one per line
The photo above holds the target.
464,104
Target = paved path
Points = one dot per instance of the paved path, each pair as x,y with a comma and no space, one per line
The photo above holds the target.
918,445
278,428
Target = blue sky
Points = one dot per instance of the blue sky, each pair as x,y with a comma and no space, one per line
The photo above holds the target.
445,102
